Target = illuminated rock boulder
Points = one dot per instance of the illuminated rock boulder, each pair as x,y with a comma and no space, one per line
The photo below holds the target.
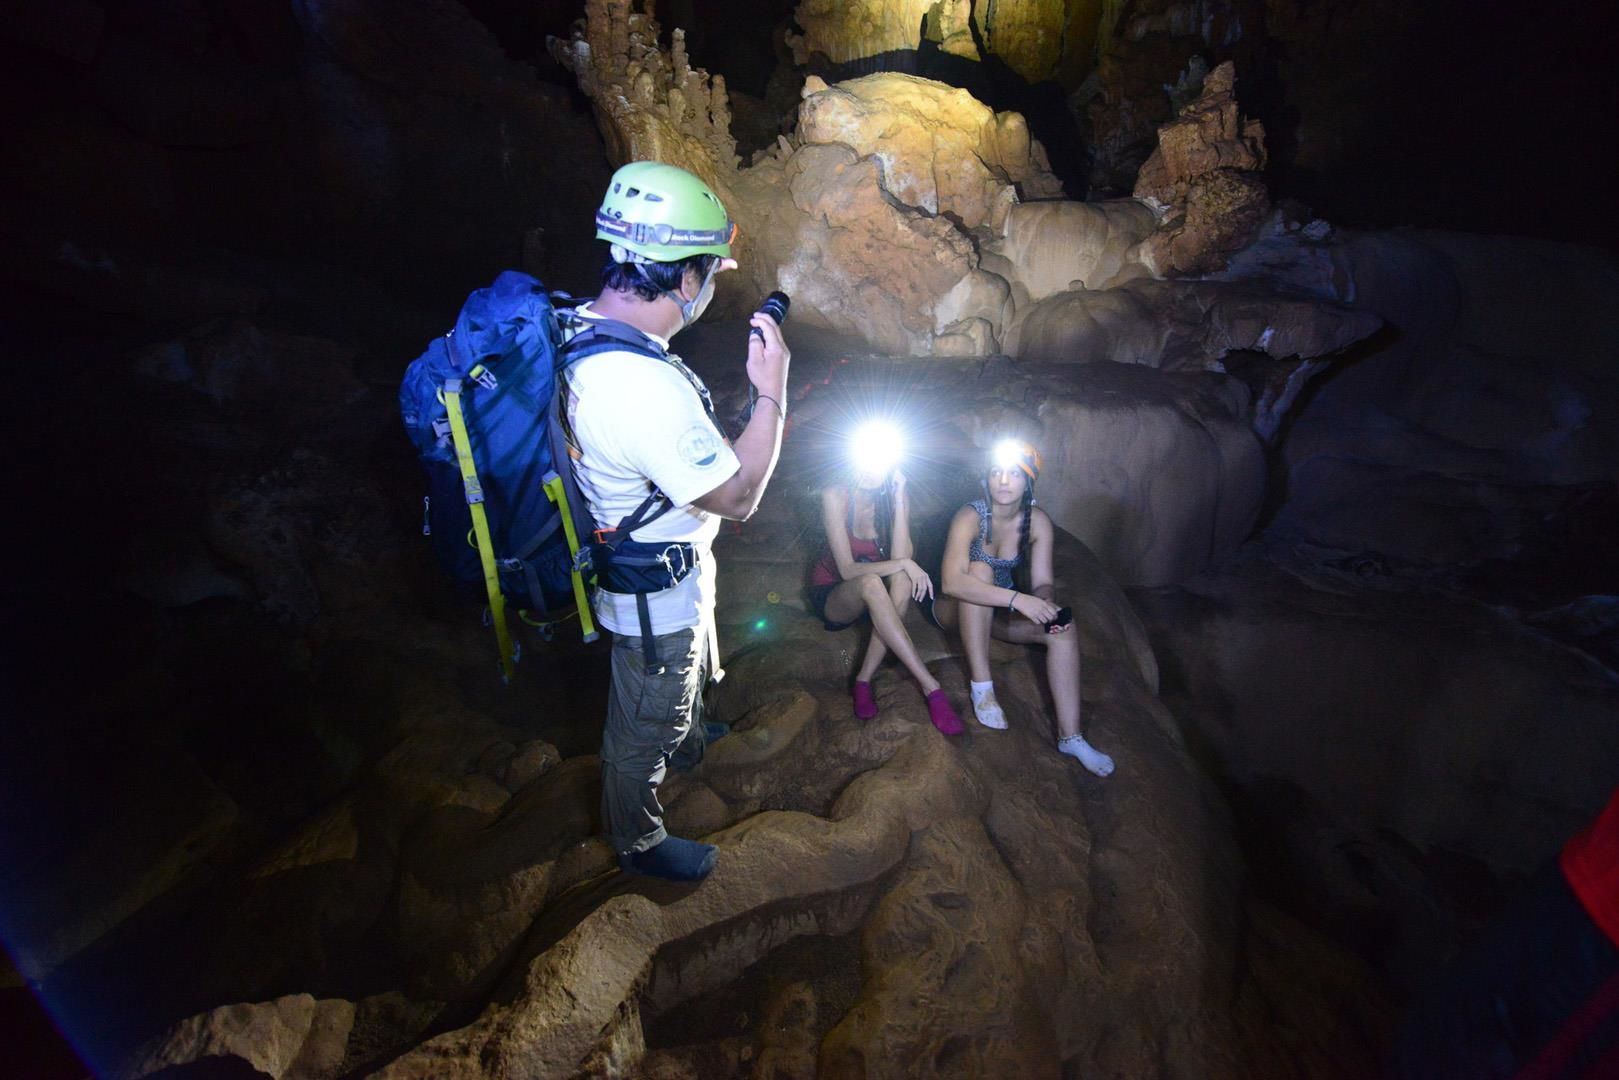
941,150
851,257
295,1037
1054,245
1276,344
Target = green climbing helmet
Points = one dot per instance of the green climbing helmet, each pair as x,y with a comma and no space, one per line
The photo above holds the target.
661,213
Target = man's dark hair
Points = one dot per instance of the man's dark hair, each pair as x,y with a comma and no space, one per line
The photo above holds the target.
627,277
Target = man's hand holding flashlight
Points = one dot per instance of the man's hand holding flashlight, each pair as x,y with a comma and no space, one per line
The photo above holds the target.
768,359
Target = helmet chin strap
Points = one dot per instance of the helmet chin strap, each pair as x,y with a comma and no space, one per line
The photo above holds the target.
688,308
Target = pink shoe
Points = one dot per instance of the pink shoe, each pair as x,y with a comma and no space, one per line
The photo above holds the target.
865,705
943,716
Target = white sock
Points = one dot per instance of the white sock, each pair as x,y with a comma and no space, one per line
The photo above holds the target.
985,707
1088,755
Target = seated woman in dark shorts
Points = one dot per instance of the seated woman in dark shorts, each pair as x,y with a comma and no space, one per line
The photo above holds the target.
866,570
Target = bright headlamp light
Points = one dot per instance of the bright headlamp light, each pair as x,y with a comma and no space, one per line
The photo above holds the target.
1007,454
876,447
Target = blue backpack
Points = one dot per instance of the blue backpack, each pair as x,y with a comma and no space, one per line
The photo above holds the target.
481,407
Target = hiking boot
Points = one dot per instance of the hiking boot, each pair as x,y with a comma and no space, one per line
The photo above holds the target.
673,859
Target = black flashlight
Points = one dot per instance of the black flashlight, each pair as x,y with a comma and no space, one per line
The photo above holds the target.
775,305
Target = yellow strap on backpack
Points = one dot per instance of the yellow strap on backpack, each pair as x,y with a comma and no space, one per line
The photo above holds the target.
555,492
480,527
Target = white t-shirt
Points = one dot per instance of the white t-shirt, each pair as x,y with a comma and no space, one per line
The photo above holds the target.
637,419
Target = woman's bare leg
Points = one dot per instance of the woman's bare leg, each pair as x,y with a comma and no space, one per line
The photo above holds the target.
974,621
1062,676
888,628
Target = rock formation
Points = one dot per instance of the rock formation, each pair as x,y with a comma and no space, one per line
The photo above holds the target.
295,1037
1204,179
1277,655
1151,60
940,150
906,213
458,876
1038,41
650,104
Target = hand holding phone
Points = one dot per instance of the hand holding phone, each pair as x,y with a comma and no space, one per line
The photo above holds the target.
1064,619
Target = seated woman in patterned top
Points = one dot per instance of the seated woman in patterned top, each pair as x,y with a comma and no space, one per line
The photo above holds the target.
989,541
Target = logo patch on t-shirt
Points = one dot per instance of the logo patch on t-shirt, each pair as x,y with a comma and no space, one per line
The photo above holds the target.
699,447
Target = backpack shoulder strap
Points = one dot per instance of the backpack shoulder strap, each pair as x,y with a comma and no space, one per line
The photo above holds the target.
610,335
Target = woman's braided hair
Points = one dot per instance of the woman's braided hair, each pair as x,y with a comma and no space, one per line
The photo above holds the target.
1029,465
1023,535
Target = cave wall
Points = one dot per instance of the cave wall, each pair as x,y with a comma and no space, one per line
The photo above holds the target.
1380,113
157,151
1038,39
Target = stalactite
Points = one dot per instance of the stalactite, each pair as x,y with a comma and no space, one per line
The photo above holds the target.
618,29
719,107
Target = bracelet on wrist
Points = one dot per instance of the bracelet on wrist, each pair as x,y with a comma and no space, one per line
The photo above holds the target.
1012,601
781,412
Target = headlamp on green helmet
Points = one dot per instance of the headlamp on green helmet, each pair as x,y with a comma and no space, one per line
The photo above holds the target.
661,213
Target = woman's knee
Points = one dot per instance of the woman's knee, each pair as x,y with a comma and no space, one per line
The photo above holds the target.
872,589
1060,644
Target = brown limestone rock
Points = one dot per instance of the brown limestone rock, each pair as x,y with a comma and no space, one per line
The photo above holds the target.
295,1037
1446,702
572,992
651,105
954,997
851,257
1181,326
940,149
752,760
1204,176
1052,246
470,883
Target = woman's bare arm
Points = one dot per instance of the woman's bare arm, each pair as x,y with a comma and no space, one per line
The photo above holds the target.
834,518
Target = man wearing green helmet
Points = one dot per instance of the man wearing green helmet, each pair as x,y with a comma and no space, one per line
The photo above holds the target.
642,423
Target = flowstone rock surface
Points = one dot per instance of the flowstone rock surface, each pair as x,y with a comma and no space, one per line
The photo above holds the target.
451,912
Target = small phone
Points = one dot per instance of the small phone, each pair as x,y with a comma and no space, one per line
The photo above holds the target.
1064,617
